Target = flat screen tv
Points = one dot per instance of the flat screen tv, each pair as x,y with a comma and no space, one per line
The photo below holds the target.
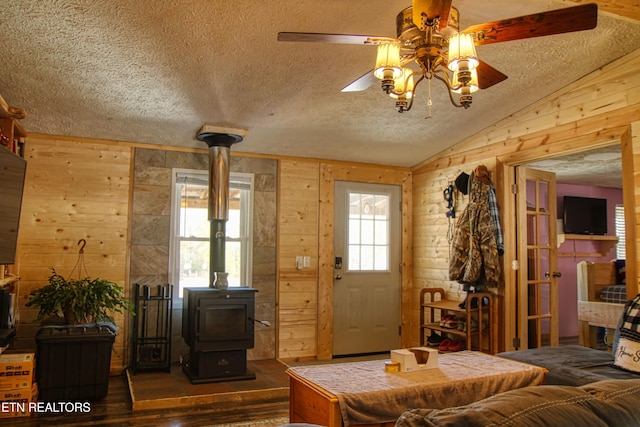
12,172
585,215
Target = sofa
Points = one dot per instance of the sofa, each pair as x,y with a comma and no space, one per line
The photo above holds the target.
583,387
572,365
575,365
613,403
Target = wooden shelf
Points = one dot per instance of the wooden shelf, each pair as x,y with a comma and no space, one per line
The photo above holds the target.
437,327
589,237
606,244
433,303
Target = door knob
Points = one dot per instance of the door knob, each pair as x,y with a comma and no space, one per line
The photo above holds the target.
556,274
338,277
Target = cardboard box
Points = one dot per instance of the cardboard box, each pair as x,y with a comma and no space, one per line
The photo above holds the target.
415,359
16,403
16,371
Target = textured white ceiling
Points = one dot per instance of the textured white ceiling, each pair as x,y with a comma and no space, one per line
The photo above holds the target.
156,71
600,168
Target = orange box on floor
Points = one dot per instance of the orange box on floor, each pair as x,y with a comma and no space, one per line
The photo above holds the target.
16,403
16,371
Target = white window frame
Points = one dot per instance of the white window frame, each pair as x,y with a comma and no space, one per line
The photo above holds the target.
621,249
358,244
236,180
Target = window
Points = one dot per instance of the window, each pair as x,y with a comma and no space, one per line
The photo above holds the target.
368,232
189,243
620,233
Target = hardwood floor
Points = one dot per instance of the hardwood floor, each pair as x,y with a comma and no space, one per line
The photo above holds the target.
116,409
169,399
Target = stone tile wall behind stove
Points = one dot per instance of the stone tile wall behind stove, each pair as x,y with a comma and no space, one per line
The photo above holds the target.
151,226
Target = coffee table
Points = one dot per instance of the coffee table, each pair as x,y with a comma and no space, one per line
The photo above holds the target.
362,393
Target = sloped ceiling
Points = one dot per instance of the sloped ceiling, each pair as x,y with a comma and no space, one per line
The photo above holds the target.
156,71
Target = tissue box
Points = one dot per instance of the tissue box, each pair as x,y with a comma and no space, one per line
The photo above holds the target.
415,359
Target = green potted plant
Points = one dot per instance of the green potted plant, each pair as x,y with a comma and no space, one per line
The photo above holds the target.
75,341
78,301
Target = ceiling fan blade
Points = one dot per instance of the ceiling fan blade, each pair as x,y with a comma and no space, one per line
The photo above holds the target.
577,18
361,83
431,9
488,76
332,38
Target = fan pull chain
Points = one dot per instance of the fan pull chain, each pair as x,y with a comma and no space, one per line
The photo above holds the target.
429,102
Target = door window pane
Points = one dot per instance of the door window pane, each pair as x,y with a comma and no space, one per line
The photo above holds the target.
368,232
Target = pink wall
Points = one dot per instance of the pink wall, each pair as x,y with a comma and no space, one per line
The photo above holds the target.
567,284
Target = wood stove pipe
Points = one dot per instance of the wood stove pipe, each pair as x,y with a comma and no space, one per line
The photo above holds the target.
219,148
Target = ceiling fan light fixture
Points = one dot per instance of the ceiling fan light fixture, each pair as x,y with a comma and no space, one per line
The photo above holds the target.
465,82
462,52
428,34
388,66
403,85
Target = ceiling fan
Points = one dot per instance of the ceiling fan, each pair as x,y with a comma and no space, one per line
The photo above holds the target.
428,35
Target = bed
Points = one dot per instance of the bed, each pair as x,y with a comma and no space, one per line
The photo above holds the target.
601,298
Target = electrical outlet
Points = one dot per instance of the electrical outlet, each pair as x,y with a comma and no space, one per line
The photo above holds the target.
307,262
299,263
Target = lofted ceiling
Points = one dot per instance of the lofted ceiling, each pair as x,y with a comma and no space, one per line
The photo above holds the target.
156,71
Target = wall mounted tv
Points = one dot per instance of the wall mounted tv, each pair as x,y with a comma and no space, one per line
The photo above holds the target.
12,172
585,215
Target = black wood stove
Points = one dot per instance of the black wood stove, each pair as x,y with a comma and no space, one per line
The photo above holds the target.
218,327
217,322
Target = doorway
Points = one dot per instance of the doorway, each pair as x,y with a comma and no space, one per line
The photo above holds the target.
367,277
591,173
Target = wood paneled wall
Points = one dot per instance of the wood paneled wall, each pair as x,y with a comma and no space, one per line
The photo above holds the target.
601,109
305,228
81,189
297,236
74,190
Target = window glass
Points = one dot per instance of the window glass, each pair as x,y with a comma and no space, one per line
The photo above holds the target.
368,232
189,243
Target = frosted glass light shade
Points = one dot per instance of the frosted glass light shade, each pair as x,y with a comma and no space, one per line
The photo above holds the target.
461,48
388,62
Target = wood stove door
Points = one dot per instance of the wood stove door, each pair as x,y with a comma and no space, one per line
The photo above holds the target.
367,279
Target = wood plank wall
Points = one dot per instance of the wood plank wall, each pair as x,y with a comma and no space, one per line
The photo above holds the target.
297,236
80,188
305,227
601,109
74,190
432,232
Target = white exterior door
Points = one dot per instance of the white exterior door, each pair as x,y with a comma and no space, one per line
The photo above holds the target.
367,278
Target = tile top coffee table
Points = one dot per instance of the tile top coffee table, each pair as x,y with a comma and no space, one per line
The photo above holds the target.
341,394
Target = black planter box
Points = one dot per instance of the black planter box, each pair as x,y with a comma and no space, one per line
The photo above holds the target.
72,362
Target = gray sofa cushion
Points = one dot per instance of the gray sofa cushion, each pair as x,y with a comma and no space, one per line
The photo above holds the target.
571,364
605,403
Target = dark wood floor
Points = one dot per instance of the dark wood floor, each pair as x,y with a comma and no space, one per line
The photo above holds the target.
116,410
